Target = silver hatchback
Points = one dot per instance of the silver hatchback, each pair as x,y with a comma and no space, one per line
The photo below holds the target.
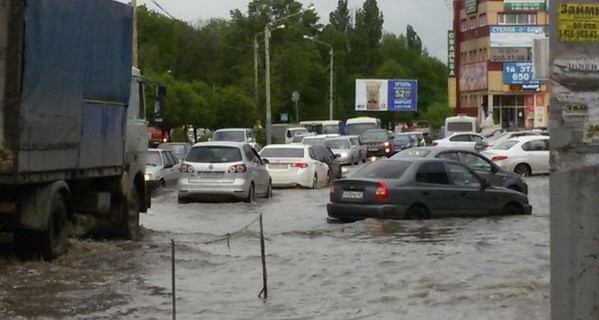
228,169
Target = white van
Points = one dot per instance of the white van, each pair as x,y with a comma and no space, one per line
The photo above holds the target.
312,125
330,126
357,126
292,132
460,123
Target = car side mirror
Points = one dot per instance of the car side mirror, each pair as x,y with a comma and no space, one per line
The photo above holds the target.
484,184
168,165
337,156
265,161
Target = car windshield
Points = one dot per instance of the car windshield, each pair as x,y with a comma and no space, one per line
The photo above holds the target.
506,145
282,153
375,135
497,137
383,170
153,159
229,135
401,138
337,144
356,129
412,153
176,148
460,126
213,154
313,141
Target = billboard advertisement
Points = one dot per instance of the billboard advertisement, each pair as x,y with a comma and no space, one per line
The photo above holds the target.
473,76
510,54
386,95
520,36
518,73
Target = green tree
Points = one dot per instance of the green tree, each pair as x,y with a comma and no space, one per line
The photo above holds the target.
366,38
233,108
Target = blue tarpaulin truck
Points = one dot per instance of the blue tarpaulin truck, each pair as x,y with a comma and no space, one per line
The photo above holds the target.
73,135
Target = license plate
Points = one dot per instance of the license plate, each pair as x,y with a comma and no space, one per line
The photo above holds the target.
277,166
211,175
373,149
352,194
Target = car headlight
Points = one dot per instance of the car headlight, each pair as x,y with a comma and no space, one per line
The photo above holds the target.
149,176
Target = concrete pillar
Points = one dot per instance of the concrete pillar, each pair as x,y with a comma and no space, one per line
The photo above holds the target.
574,200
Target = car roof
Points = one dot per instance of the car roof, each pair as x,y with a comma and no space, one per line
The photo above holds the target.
286,145
220,143
531,137
234,129
172,143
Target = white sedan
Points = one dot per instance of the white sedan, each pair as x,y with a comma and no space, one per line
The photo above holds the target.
467,140
523,155
292,165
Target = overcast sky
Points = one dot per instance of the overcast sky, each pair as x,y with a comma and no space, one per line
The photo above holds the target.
430,18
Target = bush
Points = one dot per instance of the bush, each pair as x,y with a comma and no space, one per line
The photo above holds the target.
260,136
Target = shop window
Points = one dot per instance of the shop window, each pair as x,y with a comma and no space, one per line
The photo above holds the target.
463,25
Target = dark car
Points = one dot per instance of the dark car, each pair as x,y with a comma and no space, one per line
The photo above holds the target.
179,149
326,155
420,188
378,142
477,162
402,141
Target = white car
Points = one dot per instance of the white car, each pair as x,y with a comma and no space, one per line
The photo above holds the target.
223,169
162,168
465,140
292,165
523,155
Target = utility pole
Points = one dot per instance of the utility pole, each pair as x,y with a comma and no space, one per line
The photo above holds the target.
134,40
267,83
331,80
574,160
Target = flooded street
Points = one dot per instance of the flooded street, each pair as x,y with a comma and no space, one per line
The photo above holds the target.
457,268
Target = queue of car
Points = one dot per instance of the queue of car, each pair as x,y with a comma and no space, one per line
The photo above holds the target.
464,173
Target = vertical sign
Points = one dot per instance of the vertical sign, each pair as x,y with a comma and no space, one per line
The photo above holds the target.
451,52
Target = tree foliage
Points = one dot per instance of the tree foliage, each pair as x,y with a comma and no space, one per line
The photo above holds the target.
208,67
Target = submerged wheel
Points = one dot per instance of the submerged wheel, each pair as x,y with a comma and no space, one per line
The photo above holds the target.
54,239
130,215
251,194
523,169
417,212
269,190
512,209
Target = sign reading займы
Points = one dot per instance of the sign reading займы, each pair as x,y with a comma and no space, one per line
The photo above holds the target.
386,95
578,22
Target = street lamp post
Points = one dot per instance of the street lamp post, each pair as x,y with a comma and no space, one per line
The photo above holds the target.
267,30
331,74
256,66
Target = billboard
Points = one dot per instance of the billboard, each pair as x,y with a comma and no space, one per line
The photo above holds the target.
524,5
473,76
518,73
506,54
386,95
520,36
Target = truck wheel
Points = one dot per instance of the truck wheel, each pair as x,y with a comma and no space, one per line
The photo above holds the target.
130,216
54,240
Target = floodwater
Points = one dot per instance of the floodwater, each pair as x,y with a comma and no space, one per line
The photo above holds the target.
456,268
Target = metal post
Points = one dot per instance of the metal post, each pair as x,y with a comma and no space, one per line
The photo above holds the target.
256,68
134,40
267,83
574,221
331,86
173,279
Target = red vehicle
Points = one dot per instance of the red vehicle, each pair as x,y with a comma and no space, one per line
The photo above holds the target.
158,136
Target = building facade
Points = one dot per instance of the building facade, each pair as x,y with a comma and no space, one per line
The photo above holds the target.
493,41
